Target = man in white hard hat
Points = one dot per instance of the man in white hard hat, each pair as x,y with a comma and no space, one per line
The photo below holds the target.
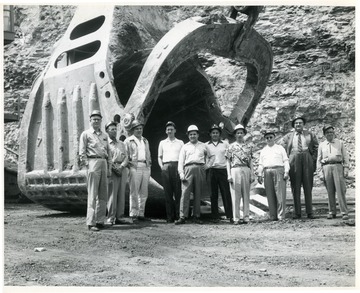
94,152
119,177
168,157
139,174
195,157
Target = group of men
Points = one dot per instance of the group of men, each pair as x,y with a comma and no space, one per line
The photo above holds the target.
190,168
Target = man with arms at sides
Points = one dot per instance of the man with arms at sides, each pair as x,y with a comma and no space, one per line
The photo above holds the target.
119,177
301,147
140,166
274,163
333,164
168,157
195,157
94,152
217,174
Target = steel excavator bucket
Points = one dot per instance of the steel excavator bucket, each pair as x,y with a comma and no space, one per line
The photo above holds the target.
86,72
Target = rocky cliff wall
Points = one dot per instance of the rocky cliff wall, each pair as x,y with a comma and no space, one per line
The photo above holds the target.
313,72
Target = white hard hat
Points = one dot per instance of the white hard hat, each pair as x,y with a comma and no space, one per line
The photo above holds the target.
192,128
240,126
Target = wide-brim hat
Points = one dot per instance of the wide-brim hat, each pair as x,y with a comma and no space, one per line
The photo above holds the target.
192,128
95,113
300,117
215,127
136,123
240,126
110,124
326,127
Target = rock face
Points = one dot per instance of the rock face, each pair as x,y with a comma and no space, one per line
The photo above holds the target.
313,71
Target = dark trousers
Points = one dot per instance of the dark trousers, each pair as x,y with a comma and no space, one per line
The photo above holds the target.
218,180
301,173
172,189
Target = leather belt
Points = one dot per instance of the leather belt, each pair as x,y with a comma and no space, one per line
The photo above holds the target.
171,162
142,161
331,163
95,157
273,167
194,164
238,166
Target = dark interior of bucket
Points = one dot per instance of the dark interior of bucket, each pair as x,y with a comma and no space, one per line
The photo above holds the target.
186,98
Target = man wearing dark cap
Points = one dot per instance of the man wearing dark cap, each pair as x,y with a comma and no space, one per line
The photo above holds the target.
217,174
119,176
274,164
94,152
301,147
333,168
168,157
139,174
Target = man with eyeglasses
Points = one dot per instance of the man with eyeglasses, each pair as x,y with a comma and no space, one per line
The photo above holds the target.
333,164
274,165
94,152
301,147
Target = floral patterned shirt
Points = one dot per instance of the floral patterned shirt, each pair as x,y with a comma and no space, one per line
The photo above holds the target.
239,154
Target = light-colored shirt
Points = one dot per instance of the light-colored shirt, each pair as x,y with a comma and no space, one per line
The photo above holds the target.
295,142
141,148
94,144
118,152
332,152
169,150
218,150
239,154
193,153
273,156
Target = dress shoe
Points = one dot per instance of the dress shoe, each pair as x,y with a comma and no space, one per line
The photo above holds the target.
215,220
295,217
93,228
231,221
198,221
120,222
311,216
180,221
100,226
170,221
345,217
143,219
331,216
236,222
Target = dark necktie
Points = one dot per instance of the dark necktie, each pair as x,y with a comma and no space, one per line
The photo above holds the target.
299,142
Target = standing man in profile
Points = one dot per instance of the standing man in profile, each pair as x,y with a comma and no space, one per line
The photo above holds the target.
140,163
195,157
333,164
168,157
94,151
119,176
217,174
301,147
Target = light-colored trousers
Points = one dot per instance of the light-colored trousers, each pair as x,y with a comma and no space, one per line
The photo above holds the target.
194,182
116,200
335,182
240,189
97,186
139,182
275,189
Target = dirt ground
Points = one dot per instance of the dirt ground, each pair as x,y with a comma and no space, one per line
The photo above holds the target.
292,253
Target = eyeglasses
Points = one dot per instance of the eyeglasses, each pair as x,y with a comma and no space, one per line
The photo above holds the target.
269,137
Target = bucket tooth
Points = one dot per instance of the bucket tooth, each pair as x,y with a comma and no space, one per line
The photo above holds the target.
63,149
47,129
78,126
93,98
